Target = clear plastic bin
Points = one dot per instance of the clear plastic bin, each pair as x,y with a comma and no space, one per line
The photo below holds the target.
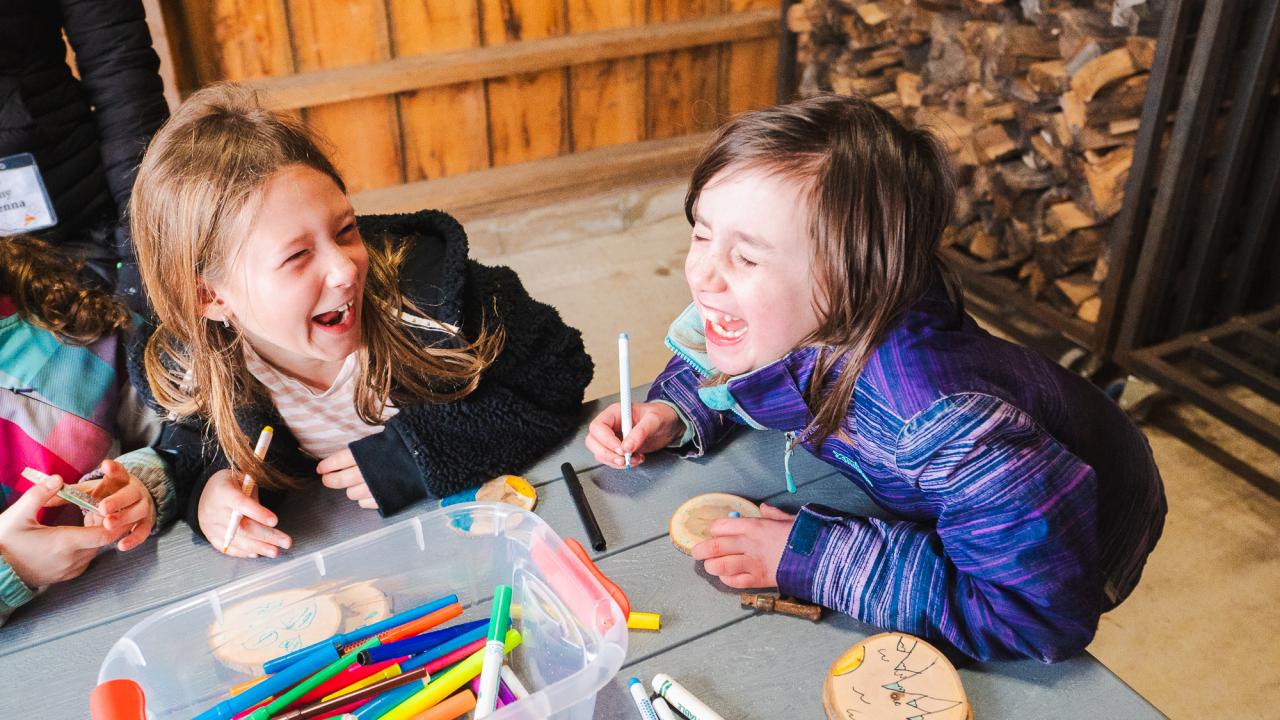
574,635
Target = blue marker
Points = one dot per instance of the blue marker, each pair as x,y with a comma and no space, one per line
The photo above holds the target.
642,699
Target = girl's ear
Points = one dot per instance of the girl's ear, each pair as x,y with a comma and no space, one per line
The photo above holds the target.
212,307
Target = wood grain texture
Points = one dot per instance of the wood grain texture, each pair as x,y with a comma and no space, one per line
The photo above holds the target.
750,67
365,134
444,127
527,112
683,86
606,98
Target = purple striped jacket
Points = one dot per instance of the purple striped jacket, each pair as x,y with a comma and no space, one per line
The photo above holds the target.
1026,502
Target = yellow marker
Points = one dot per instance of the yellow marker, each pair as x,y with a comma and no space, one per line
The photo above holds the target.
445,685
644,621
246,685
387,672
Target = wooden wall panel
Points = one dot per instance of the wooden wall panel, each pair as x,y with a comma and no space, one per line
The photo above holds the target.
750,66
606,99
527,118
365,133
445,128
683,86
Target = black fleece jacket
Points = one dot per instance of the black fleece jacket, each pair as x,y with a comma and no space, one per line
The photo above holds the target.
527,401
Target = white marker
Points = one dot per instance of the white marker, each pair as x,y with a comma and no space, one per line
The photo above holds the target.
642,699
664,710
624,380
682,700
246,486
516,687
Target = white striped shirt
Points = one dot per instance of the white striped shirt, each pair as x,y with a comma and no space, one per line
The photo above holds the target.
323,422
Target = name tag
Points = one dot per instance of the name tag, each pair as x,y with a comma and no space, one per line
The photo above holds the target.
24,202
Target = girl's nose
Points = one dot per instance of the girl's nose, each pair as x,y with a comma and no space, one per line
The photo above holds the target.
704,274
342,270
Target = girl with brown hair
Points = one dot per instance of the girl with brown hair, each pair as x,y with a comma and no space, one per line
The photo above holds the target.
389,364
1019,503
65,404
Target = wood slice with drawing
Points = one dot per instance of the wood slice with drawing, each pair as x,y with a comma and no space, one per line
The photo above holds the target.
894,676
257,630
691,522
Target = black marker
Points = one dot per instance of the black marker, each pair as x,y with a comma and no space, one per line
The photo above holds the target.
584,510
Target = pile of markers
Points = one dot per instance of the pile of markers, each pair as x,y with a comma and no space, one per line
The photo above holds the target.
395,669
669,694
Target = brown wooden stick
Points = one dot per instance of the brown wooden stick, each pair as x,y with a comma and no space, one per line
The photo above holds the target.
765,602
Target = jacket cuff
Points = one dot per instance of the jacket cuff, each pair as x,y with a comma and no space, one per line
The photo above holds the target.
390,470
821,546
686,437
14,592
680,391
146,465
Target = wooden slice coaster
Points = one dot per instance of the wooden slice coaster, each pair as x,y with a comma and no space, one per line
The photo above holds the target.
255,631
510,489
894,676
691,522
362,604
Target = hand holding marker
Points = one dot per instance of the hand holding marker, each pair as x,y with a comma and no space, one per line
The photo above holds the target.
247,487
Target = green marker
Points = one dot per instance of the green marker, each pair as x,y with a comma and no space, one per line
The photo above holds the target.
306,686
493,651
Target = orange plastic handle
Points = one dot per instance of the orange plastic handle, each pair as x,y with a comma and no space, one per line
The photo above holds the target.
614,591
118,700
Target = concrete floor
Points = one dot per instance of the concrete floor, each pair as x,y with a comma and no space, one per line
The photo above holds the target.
1200,637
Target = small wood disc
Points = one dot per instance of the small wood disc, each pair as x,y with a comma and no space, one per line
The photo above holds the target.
362,604
894,676
255,631
510,489
691,522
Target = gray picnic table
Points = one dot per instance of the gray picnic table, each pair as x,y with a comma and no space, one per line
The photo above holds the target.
743,664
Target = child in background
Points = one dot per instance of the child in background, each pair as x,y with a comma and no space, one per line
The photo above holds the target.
389,364
1026,501
63,408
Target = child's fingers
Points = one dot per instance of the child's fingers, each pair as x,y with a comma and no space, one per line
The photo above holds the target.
121,500
770,512
87,538
138,511
731,526
606,435
260,540
719,547
640,433
337,461
135,537
604,454
254,510
41,494
359,492
369,504
730,565
743,581
345,478
244,546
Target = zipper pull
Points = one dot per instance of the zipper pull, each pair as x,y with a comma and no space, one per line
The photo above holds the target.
786,461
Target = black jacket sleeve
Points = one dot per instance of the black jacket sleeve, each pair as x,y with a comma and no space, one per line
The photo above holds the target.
121,75
528,401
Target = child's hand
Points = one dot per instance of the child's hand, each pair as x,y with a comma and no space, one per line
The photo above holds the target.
745,552
339,471
43,555
654,426
257,534
126,505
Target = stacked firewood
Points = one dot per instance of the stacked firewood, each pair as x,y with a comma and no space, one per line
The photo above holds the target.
1038,102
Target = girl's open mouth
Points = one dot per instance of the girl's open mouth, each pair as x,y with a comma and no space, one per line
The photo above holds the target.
337,320
724,329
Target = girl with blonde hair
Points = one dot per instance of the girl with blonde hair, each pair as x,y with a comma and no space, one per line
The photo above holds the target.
389,364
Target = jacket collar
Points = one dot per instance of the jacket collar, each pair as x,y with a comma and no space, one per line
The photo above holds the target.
768,397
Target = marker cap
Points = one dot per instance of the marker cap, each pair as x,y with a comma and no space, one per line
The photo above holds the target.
501,618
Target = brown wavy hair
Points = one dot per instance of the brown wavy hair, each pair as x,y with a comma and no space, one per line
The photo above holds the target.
47,290
202,173
879,196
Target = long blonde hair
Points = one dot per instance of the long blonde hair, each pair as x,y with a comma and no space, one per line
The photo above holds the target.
201,171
